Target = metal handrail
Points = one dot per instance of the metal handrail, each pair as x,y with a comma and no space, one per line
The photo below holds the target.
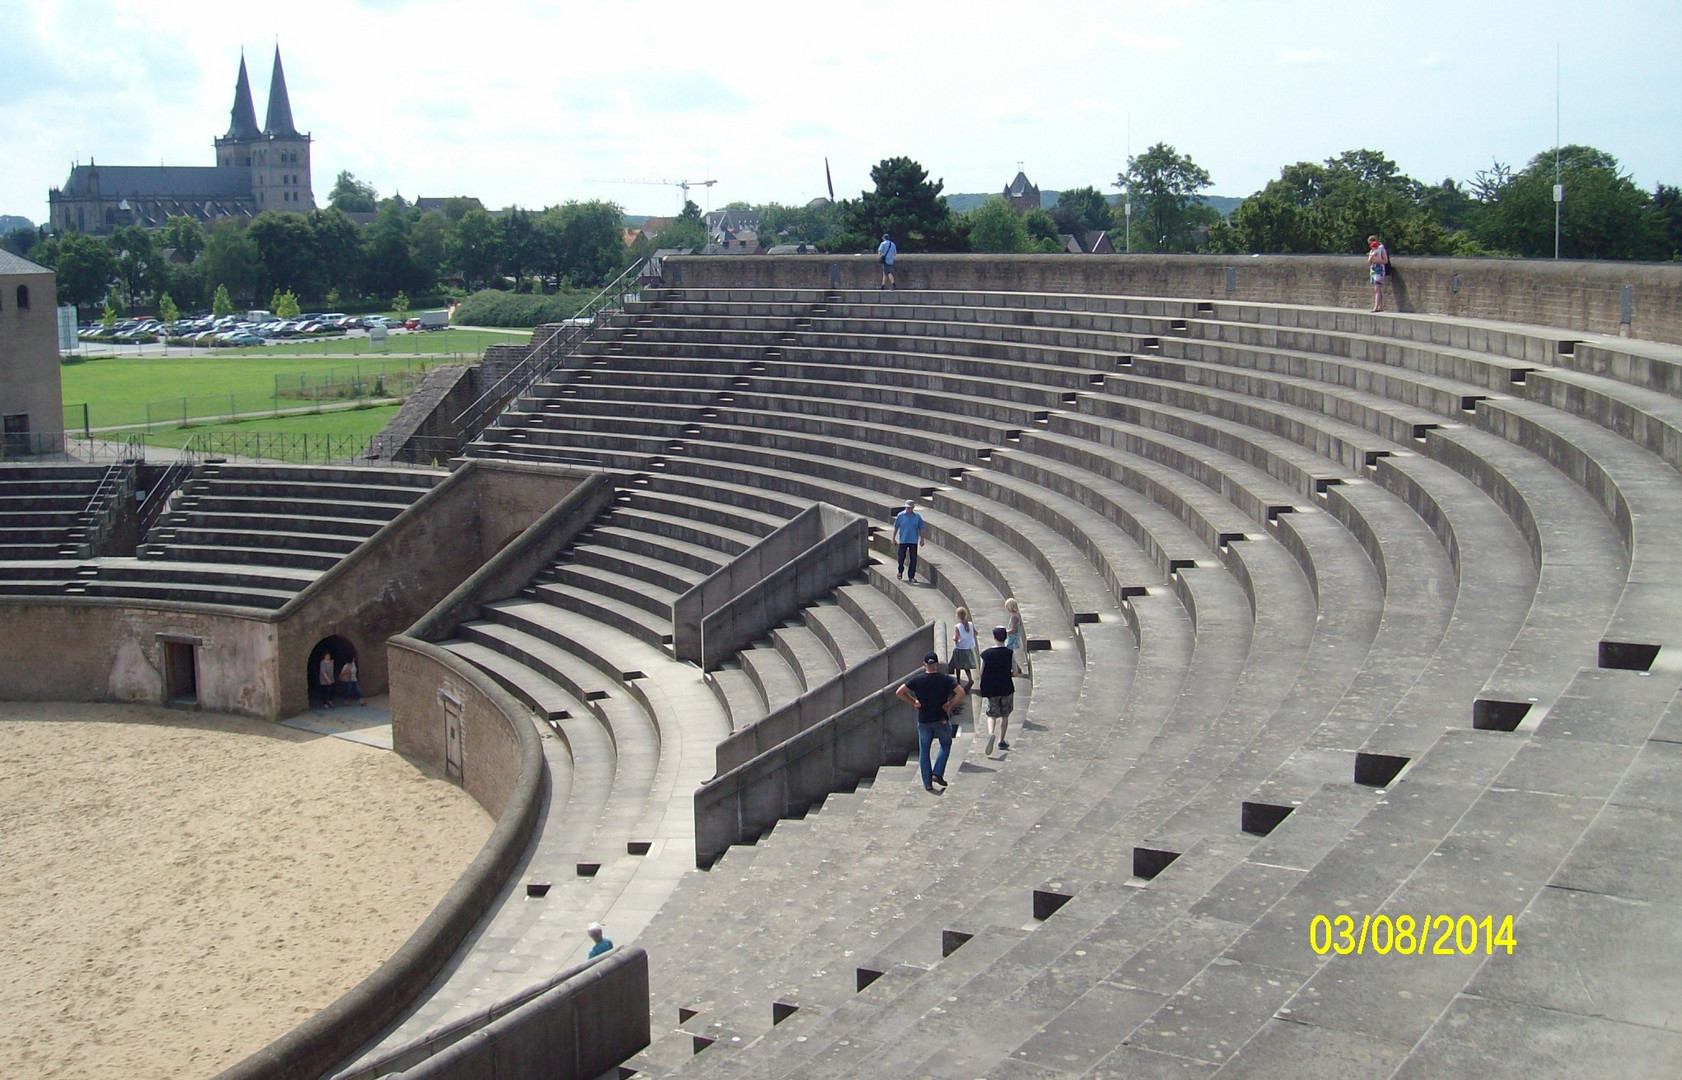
152,506
112,484
542,359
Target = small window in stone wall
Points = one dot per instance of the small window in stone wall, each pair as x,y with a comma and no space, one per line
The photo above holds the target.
23,297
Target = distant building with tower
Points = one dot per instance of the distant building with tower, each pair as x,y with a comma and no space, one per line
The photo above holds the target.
1022,194
256,169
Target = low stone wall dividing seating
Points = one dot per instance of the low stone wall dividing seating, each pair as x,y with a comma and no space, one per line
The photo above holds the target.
578,1027
901,658
499,761
788,780
771,581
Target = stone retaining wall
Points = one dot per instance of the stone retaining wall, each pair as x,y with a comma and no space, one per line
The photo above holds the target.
1585,296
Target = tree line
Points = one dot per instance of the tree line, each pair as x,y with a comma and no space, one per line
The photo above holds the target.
1327,207
328,257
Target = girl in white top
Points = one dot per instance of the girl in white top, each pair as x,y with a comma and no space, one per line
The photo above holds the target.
963,649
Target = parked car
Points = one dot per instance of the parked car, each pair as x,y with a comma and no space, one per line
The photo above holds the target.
242,337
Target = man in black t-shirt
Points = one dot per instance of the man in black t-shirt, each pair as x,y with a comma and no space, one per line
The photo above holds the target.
998,664
934,694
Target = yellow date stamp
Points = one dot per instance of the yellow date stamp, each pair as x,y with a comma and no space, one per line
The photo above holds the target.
1434,935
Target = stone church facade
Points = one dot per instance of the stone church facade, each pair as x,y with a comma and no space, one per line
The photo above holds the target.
256,169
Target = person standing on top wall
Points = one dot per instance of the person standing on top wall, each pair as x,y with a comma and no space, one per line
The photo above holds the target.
885,252
1378,269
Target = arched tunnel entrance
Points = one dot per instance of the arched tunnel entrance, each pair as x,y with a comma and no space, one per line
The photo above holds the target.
327,666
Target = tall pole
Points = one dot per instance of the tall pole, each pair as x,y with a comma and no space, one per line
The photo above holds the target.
1559,186
1127,189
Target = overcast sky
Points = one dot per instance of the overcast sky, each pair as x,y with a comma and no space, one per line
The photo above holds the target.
535,103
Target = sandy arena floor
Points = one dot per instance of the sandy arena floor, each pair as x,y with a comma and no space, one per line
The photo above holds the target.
176,890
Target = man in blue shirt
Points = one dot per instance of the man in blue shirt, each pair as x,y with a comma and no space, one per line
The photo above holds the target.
908,533
602,944
885,252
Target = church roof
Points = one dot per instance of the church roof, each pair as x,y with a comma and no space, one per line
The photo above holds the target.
158,182
280,106
1021,185
14,264
242,122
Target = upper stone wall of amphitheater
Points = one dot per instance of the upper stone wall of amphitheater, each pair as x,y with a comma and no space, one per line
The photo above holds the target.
1638,300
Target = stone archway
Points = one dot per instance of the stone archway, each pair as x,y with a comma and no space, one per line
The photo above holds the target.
342,652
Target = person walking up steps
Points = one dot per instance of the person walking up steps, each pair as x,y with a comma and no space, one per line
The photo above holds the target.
934,694
1013,636
963,649
885,252
998,664
908,532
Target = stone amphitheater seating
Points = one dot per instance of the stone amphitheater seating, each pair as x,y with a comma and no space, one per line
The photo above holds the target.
41,512
1331,613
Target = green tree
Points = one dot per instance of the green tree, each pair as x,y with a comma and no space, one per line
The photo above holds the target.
1667,202
167,311
231,261
285,304
590,242
108,317
136,261
1081,210
184,236
904,205
1164,184
337,246
19,241
1335,205
687,233
221,304
400,304
83,264
516,243
287,250
426,247
473,248
390,260
1604,215
995,227
812,224
1043,233
351,195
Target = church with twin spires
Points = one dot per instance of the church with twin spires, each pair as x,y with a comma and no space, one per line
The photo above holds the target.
256,170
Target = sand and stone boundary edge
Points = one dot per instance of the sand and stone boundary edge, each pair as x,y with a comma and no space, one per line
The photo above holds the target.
335,1033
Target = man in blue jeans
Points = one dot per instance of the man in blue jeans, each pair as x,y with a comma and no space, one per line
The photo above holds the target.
885,252
934,694
908,533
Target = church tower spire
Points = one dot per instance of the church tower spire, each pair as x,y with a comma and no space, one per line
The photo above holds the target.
279,125
242,123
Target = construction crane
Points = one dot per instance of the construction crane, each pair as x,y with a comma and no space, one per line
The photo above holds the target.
683,185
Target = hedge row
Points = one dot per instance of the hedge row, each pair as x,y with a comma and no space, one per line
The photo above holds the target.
493,307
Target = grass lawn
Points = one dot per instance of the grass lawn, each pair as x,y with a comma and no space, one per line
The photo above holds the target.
446,343
118,389
350,422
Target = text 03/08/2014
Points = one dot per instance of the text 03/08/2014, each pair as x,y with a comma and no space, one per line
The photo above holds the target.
1433,935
